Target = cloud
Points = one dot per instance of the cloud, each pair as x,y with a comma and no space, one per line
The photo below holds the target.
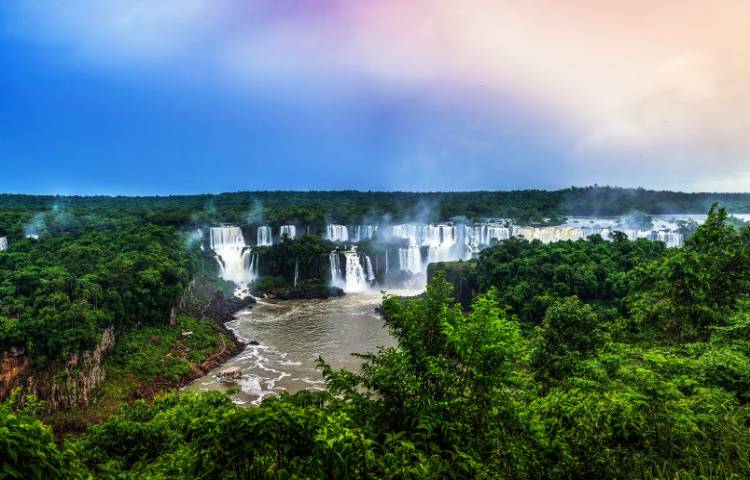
111,31
663,85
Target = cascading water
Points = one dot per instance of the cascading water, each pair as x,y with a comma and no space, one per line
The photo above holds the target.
352,278
355,274
337,276
236,263
441,243
296,271
252,266
445,242
410,259
441,240
484,235
289,231
337,233
265,237
3,243
363,232
370,273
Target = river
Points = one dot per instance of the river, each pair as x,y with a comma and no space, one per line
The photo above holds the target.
291,334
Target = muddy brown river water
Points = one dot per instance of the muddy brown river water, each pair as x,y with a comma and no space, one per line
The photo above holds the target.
291,335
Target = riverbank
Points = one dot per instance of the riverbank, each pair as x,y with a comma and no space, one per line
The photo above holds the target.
158,358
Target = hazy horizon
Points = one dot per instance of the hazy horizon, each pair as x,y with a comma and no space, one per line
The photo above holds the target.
217,193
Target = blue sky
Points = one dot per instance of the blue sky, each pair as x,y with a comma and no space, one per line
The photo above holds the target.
68,128
167,96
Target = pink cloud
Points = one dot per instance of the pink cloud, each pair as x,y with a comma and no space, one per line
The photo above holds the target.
665,81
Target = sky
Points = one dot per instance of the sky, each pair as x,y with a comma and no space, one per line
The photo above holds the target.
189,96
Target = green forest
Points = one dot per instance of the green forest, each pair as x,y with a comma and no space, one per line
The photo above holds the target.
315,209
585,359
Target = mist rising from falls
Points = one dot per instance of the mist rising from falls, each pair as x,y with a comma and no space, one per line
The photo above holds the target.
236,261
3,243
265,237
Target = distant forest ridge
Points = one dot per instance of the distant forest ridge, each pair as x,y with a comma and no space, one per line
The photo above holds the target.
312,207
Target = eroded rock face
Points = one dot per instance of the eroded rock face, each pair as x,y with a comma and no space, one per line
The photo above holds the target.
13,364
61,388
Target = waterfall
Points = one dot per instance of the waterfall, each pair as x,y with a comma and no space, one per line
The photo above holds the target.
337,277
553,234
265,237
370,273
357,231
352,278
557,234
236,263
441,240
296,271
337,233
671,239
482,235
410,259
386,261
289,231
252,266
3,243
355,274
441,244
446,242
363,232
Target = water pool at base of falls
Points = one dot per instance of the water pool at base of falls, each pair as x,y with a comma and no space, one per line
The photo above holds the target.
291,334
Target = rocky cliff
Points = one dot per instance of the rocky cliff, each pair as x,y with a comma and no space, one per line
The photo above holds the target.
61,386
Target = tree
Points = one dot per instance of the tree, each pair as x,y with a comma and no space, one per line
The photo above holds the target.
571,332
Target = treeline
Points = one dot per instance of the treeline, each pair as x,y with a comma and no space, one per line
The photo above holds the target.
583,359
58,293
315,209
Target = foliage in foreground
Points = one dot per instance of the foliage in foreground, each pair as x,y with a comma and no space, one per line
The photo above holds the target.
646,377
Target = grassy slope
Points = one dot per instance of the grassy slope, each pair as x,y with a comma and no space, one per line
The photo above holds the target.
147,361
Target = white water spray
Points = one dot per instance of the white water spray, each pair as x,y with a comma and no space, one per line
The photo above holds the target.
265,237
352,278
236,262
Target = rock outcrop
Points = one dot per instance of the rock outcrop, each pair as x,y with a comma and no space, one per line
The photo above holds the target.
60,387
14,363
